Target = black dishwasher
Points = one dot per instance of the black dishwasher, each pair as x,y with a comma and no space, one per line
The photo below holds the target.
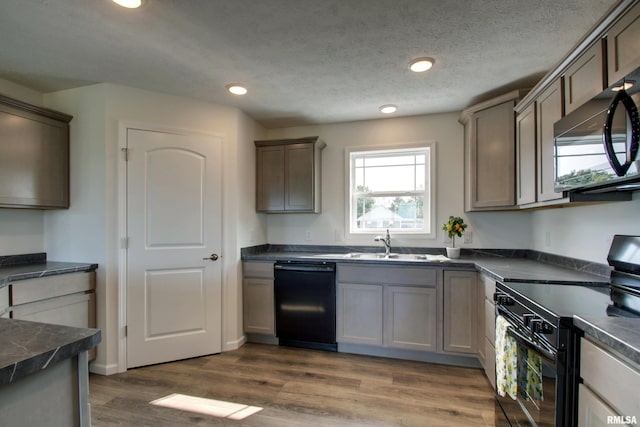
305,298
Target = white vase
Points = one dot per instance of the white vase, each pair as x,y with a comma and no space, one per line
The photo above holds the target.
453,253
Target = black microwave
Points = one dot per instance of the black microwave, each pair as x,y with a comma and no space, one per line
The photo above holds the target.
596,146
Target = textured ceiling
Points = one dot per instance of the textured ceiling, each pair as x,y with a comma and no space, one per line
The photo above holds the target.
304,61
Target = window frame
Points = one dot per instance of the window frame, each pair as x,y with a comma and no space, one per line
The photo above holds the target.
429,191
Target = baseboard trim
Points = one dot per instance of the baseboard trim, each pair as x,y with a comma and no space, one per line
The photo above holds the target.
102,369
420,356
234,345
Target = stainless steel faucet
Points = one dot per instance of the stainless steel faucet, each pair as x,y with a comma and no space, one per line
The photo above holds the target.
387,242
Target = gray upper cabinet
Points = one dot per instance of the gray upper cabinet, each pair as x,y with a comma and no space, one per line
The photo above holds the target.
585,78
288,175
34,156
549,111
490,153
623,45
526,155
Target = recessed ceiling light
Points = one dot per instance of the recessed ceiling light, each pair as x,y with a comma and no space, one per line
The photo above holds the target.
237,89
419,65
388,109
627,85
129,4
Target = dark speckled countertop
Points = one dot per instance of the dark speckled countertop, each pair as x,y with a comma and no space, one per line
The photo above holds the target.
502,265
28,347
29,266
619,333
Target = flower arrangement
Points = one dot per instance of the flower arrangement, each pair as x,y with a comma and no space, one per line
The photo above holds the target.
454,227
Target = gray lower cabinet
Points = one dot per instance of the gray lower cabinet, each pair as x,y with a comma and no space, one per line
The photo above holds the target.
410,318
488,333
460,301
258,298
395,307
360,308
64,299
4,301
609,387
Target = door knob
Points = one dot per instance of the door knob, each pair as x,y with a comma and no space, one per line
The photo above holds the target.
212,257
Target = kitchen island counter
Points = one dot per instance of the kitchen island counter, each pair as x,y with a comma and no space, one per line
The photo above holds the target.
29,347
44,377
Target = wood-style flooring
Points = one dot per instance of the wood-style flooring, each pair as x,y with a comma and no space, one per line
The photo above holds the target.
298,387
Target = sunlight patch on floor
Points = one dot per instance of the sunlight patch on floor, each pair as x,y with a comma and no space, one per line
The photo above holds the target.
216,408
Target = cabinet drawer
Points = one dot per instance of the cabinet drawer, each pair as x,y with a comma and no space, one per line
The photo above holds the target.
263,270
77,310
489,287
388,275
25,291
489,321
611,378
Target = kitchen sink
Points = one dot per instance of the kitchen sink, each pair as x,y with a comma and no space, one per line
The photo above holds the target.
392,256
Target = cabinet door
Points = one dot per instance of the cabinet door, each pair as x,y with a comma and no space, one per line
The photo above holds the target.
270,178
411,318
460,312
34,160
526,155
299,176
4,300
592,411
623,45
490,363
481,321
258,306
359,314
584,79
549,111
492,157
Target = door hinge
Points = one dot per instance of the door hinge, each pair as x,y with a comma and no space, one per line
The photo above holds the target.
126,330
125,243
125,154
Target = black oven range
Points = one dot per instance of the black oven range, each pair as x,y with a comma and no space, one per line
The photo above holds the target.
538,363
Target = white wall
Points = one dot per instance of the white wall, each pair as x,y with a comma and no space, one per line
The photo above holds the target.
90,228
585,232
490,230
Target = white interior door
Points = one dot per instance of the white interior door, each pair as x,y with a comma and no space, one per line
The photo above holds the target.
173,226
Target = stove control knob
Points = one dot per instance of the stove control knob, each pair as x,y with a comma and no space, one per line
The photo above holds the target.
526,319
539,326
505,300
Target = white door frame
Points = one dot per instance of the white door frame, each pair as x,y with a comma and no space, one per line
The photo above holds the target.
123,126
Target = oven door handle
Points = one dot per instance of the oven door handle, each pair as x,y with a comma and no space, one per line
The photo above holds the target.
521,339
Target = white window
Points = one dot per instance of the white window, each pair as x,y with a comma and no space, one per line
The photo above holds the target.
391,189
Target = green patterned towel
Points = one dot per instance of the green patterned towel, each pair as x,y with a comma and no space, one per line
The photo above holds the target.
506,360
